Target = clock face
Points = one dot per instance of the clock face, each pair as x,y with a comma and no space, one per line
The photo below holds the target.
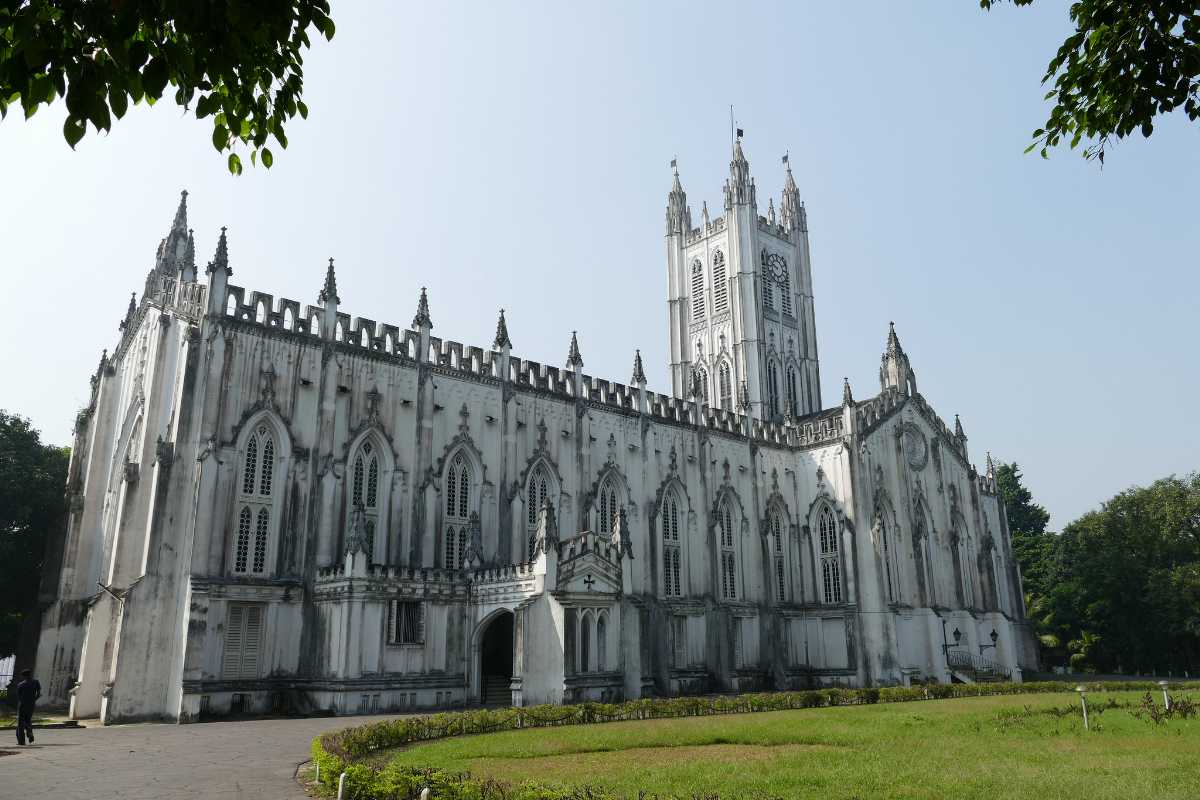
775,267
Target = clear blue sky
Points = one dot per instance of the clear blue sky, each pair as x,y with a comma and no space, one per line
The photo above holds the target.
516,154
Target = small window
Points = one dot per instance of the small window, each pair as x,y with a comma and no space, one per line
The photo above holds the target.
243,639
406,622
679,640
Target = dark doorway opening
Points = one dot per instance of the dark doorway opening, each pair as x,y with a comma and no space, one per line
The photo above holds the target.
496,661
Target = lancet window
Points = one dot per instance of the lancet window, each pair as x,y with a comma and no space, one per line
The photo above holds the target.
606,506
672,551
779,567
697,289
458,504
255,504
831,568
792,405
726,386
535,497
728,552
364,490
720,290
773,389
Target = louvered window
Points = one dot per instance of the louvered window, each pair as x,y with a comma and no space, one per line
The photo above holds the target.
785,292
726,386
773,389
791,392
679,640
720,289
697,289
406,622
243,641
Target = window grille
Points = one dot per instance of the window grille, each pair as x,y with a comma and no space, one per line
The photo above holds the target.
606,507
458,502
831,574
535,498
406,622
254,504
728,554
672,572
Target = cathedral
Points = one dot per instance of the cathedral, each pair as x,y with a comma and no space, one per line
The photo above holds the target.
278,507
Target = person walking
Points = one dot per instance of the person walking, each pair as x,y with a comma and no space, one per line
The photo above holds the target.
28,692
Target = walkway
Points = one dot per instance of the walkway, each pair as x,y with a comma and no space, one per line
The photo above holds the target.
251,759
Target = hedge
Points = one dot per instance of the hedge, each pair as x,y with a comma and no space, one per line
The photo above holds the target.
348,750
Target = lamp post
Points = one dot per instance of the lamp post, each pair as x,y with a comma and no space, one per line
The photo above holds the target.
946,645
1166,697
994,636
1083,699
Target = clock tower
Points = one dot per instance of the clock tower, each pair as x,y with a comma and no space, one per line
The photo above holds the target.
740,299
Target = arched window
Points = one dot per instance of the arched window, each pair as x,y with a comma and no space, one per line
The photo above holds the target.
601,641
720,290
773,389
726,386
768,293
728,553
792,405
831,570
458,502
697,289
535,497
606,506
364,491
702,374
672,561
785,291
775,525
585,642
255,504
891,577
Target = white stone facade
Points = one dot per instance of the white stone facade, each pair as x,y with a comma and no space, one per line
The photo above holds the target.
276,506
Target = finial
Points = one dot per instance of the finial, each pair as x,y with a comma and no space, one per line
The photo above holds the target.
744,402
502,341
958,429
422,318
329,291
639,375
991,467
180,223
574,359
189,254
221,258
847,397
893,342
129,312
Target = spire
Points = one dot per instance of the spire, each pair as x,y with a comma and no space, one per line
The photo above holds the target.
847,397
991,467
958,429
221,259
744,398
329,291
894,350
740,189
129,312
189,255
502,341
180,225
639,374
422,318
679,217
790,206
771,210
574,359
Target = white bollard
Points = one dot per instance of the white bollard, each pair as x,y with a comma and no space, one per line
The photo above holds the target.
1166,697
318,772
342,787
425,793
1082,699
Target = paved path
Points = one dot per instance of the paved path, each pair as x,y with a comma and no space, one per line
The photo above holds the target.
253,759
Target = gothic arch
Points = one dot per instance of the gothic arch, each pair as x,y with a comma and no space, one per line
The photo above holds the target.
610,479
461,474
370,486
828,525
669,530
886,539
263,449
538,482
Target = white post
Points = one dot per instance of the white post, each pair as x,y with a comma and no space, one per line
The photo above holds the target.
1082,699
318,772
342,781
1166,697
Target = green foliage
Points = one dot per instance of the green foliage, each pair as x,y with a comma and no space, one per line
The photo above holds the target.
33,477
1126,62
1127,590
355,750
236,61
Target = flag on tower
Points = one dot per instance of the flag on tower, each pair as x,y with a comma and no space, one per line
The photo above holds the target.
673,164
740,133
785,158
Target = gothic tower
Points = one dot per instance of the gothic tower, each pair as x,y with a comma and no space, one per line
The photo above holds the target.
740,299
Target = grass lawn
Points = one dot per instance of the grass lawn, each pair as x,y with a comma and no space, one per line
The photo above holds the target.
983,747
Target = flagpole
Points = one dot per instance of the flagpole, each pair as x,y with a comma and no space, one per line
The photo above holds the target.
731,139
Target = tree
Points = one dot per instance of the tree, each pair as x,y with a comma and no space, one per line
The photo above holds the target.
237,61
1127,62
33,479
1127,590
1032,545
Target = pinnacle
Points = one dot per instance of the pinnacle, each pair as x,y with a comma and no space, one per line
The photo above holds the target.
893,342
180,223
958,428
422,319
639,374
329,291
574,359
847,396
502,339
189,255
221,259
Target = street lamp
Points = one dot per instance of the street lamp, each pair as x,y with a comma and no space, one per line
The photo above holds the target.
1166,697
994,636
946,645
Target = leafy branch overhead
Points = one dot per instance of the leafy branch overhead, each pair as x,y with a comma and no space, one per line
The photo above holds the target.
238,62
1127,62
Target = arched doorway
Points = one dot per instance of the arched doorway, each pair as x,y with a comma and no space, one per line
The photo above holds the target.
496,661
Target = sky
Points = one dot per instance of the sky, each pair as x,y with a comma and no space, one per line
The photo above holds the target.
516,155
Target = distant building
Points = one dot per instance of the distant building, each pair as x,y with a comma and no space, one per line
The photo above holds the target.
276,506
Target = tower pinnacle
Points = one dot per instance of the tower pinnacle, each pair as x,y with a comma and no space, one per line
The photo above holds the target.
679,216
847,396
422,318
329,291
502,341
221,258
574,359
639,374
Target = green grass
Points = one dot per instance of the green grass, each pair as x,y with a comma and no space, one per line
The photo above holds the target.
984,747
